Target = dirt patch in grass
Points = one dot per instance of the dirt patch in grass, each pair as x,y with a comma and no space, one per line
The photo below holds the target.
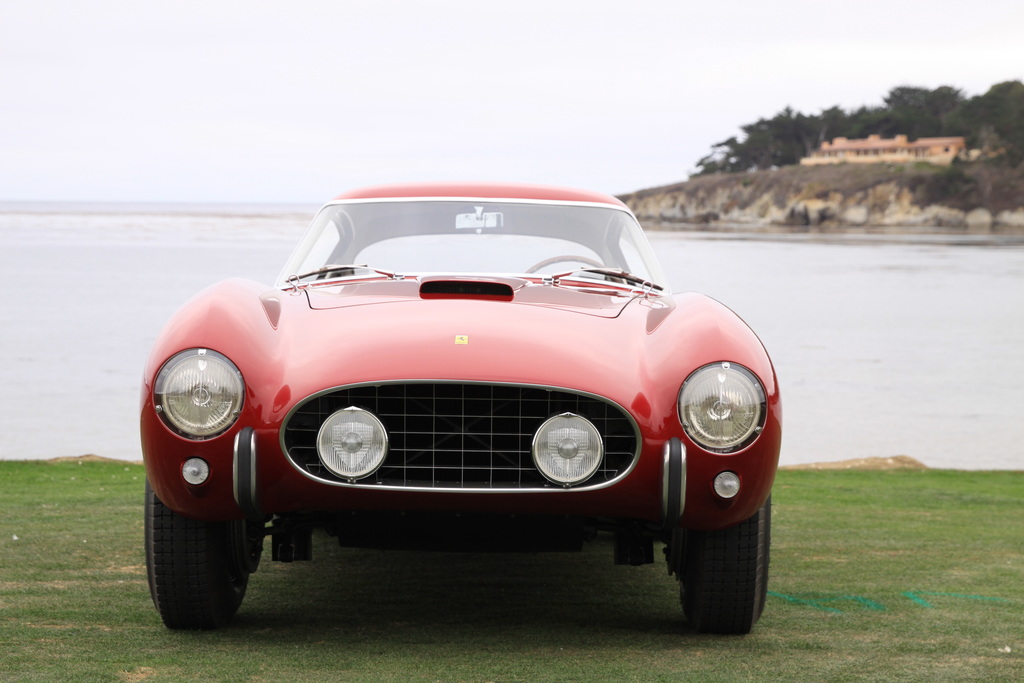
90,457
895,462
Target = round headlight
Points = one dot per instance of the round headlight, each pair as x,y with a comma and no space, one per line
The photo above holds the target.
567,449
352,443
199,393
722,407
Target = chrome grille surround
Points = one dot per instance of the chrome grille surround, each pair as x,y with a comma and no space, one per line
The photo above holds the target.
460,436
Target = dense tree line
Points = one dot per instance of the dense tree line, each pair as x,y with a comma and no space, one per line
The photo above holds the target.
993,122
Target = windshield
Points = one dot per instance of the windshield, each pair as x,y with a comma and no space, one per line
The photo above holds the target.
415,237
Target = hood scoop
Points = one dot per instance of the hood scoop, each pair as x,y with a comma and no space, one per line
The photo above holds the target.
493,290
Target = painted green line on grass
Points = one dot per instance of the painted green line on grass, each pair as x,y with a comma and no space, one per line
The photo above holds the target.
913,596
916,597
818,602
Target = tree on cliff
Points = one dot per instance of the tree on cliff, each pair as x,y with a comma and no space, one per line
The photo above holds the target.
918,112
993,121
779,141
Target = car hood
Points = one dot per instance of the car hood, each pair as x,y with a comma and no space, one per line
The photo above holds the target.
455,329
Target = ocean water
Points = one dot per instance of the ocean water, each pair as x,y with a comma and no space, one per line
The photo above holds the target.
884,346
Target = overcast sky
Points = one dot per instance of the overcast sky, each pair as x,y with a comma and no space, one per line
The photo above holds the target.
251,101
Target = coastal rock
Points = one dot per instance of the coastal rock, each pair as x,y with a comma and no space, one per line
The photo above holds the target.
855,215
979,220
941,217
1010,219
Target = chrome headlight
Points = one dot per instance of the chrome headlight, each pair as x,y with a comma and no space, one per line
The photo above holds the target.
567,449
352,443
199,393
722,407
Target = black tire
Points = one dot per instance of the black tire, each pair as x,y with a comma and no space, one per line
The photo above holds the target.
725,575
198,571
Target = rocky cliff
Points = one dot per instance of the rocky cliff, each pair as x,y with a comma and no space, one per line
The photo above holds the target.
976,198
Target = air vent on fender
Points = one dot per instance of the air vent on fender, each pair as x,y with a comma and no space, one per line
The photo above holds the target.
466,289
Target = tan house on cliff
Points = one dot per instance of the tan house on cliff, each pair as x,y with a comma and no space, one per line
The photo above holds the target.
875,150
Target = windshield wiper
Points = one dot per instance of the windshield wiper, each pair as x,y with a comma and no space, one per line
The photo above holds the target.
616,273
334,270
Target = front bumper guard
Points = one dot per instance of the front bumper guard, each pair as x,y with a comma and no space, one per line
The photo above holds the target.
244,471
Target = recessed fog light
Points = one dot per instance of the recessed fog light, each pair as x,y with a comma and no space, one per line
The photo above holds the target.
195,471
567,449
352,443
727,484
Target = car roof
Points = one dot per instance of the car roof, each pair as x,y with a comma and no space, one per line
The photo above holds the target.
479,190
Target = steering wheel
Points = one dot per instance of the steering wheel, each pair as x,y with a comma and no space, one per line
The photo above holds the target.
567,258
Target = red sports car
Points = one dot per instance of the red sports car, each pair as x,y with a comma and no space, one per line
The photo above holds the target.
460,366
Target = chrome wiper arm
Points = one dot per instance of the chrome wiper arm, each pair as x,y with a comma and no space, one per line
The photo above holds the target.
623,275
339,271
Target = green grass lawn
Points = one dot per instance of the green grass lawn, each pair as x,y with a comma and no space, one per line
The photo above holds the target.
884,575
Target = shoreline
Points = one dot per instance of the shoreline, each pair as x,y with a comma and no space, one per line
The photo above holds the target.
932,235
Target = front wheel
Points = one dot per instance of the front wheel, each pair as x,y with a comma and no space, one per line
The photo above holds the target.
198,571
724,581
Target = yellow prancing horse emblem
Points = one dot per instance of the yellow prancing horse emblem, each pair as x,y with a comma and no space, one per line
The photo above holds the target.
462,339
